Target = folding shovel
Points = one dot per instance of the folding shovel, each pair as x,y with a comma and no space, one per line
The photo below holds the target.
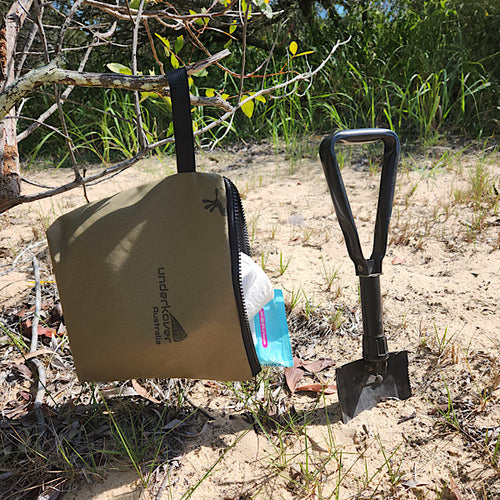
380,374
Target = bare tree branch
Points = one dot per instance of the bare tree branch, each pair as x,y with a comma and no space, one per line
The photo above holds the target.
66,24
52,73
48,112
127,13
141,134
40,369
121,166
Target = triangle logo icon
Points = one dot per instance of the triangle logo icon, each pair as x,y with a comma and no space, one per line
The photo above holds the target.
178,333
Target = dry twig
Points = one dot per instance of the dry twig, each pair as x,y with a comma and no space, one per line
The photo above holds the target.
41,376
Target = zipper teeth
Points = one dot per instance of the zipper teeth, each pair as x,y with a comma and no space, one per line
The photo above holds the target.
243,228
239,215
237,223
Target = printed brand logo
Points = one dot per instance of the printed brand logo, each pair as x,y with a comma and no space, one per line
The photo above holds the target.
263,328
211,205
166,326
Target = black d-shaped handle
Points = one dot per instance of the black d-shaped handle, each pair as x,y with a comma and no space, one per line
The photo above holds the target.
372,266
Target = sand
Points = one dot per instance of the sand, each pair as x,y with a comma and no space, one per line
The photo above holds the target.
440,287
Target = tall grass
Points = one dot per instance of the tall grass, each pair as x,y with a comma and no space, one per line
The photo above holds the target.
415,67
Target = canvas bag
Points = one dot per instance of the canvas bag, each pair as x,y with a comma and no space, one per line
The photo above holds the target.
149,279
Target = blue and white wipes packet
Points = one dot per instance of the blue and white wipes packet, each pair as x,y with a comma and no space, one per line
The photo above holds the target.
273,340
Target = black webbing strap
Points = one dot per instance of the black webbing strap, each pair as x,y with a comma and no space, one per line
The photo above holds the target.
183,125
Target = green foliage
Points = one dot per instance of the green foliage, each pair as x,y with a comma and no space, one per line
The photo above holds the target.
424,69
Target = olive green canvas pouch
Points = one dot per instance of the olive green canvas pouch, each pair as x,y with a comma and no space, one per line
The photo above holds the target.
149,279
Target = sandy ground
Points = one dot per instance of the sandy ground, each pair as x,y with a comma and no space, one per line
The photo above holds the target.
441,303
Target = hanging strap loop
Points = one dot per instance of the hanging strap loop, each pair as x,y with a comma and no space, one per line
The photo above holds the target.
183,125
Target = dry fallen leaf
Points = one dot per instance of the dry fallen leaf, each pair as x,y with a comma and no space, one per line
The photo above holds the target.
33,354
326,388
142,392
318,365
296,372
398,239
23,369
43,331
50,494
292,376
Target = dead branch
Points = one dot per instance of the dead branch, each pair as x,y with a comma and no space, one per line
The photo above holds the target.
141,135
48,112
129,14
52,73
41,375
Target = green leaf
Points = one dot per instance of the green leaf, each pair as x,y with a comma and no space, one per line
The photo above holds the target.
304,53
210,92
293,48
200,20
248,107
224,96
201,73
233,27
168,104
170,130
119,68
228,43
164,41
259,98
179,43
147,95
244,5
174,61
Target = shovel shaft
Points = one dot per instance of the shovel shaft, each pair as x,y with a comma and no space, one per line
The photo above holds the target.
374,341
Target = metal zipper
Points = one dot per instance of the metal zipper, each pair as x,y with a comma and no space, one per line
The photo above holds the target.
238,241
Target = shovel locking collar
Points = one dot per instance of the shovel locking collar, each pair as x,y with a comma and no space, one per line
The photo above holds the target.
380,374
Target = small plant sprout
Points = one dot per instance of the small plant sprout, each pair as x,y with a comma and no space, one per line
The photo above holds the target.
283,266
294,298
449,414
394,469
337,318
308,232
442,340
309,306
293,233
409,195
373,166
330,275
264,257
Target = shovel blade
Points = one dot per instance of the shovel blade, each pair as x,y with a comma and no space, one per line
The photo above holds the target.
359,388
